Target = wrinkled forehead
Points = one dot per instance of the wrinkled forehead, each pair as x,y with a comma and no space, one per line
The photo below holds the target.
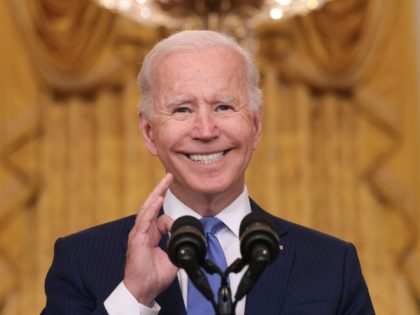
217,53
211,73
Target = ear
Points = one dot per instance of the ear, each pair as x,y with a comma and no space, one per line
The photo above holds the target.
258,115
147,132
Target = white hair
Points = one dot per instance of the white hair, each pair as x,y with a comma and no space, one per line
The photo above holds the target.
196,39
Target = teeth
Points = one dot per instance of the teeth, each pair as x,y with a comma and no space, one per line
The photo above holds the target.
206,159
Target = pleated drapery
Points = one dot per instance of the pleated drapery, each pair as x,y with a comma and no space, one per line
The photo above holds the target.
339,150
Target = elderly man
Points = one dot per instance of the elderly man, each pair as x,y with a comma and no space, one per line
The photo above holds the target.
201,116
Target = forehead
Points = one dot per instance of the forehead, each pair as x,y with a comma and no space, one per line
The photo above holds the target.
212,68
195,53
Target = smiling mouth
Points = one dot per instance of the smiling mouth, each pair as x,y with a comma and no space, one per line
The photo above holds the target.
206,158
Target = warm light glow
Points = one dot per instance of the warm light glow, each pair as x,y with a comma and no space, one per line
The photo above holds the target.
312,4
146,13
236,18
109,4
284,2
276,13
124,5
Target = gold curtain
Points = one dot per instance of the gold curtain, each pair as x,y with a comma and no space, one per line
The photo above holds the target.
340,135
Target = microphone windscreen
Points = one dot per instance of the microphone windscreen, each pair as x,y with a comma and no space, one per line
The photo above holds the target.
253,218
186,220
256,233
187,237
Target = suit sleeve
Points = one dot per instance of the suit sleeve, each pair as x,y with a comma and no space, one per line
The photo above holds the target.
64,288
355,297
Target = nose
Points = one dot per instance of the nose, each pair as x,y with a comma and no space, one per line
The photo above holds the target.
205,125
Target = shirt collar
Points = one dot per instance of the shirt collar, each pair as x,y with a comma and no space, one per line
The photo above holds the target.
231,216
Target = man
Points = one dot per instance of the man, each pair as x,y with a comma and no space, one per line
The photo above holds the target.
201,116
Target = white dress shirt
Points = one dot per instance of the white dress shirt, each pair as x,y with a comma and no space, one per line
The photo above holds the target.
122,302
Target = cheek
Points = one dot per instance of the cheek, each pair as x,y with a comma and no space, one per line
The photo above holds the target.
247,127
170,132
241,134
249,137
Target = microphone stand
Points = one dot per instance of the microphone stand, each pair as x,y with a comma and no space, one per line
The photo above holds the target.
225,305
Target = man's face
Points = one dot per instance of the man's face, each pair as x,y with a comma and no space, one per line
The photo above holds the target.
202,127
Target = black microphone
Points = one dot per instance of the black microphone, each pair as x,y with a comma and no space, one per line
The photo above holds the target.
187,249
259,248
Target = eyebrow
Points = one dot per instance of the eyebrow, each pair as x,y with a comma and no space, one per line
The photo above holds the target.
228,100
180,101
177,102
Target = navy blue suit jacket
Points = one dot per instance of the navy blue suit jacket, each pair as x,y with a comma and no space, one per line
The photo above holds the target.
313,274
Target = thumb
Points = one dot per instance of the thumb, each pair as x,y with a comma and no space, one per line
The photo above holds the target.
164,224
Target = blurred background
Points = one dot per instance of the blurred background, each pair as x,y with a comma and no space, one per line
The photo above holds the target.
341,135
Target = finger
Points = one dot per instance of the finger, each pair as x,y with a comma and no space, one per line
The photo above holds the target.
159,190
147,219
164,224
150,203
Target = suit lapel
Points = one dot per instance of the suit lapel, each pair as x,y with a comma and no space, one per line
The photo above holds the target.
268,294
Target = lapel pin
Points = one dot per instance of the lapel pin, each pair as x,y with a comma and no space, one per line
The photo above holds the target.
281,247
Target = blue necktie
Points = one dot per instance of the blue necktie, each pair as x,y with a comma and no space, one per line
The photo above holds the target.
197,304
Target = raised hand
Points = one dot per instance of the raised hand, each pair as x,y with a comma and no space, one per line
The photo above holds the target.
148,270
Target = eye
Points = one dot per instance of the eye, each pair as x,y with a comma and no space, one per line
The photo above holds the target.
224,107
181,110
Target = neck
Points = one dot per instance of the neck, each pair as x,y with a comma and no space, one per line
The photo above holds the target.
207,204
